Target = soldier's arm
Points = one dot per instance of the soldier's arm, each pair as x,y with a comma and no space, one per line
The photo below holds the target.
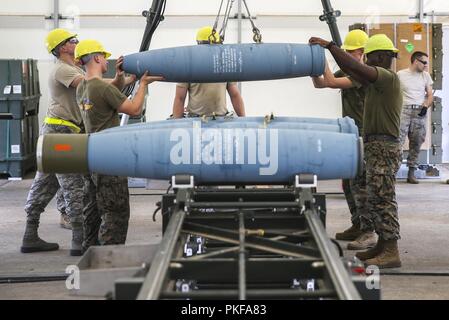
134,107
76,81
330,81
360,72
178,104
429,96
236,99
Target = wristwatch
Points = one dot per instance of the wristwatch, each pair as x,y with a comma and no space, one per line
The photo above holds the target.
330,44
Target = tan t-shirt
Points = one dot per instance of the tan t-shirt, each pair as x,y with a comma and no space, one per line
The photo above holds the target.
414,86
206,98
62,96
98,102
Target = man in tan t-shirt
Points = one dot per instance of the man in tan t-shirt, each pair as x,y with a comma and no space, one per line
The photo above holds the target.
63,116
207,98
106,212
417,91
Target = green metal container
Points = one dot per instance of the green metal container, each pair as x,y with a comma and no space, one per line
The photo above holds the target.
18,139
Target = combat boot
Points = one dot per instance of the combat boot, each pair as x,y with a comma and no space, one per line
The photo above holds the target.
77,240
31,241
364,241
411,176
349,234
371,253
388,257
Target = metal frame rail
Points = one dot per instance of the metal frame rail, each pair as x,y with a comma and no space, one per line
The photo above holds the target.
246,244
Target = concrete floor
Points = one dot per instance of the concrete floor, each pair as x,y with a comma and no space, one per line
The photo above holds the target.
423,210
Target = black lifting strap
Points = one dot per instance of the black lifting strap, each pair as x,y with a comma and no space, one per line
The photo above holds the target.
257,36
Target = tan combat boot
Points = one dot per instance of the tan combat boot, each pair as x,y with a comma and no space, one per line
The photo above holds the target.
388,257
365,241
371,253
349,234
411,176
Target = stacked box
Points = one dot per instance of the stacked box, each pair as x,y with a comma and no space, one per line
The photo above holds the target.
18,146
19,89
19,108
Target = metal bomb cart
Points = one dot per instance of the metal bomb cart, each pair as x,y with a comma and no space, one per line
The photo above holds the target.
246,243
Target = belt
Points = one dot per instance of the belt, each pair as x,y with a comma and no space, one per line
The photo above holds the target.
413,106
194,115
379,137
61,122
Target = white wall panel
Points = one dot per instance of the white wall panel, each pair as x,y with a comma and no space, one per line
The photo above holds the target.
38,7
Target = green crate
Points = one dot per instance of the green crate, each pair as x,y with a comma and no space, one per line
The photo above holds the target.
35,78
19,88
19,108
18,139
19,78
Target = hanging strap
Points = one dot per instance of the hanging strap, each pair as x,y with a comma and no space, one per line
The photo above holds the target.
257,37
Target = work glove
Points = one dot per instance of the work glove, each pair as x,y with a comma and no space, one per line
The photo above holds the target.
423,112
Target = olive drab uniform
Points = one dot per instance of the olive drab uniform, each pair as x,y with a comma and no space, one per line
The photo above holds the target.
106,212
353,101
63,116
383,105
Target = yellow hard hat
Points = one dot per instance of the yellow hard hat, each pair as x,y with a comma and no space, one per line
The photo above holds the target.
379,42
356,39
89,46
56,37
205,35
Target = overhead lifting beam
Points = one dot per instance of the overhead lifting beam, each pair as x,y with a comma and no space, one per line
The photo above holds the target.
330,16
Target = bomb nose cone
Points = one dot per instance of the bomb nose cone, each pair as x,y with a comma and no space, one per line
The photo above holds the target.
62,153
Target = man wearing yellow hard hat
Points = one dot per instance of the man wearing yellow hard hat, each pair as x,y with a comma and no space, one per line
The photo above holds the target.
382,116
107,198
63,116
361,233
207,98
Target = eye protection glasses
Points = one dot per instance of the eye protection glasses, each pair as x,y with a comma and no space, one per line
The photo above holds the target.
73,41
423,62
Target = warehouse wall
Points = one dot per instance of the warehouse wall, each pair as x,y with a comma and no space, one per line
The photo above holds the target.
120,27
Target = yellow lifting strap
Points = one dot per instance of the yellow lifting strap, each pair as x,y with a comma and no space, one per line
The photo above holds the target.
61,122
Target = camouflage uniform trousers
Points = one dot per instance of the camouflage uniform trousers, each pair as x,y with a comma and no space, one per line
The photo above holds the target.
45,186
60,202
413,127
382,164
106,212
356,197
